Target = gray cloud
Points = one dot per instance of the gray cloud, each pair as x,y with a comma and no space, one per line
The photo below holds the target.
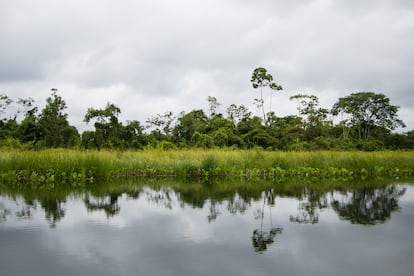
179,52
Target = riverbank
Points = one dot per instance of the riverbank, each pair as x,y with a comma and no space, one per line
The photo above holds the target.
60,166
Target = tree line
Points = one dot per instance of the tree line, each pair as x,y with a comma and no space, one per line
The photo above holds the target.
366,121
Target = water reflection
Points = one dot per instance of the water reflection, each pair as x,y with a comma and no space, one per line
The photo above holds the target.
310,203
262,238
368,206
3,214
164,197
108,204
26,211
216,229
213,211
54,209
237,204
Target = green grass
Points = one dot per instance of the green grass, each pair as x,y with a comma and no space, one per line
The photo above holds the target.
48,168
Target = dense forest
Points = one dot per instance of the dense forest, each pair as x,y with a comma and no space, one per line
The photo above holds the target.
366,121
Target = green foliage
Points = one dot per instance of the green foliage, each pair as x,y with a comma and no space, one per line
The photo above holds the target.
220,137
238,113
210,166
259,137
204,141
370,145
189,124
53,124
367,123
165,145
29,130
366,110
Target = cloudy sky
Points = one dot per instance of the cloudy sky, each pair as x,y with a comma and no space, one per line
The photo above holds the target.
153,56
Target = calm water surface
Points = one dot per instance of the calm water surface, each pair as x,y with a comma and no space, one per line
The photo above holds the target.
166,231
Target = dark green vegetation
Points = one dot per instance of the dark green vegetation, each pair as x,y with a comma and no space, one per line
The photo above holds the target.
40,149
366,121
43,169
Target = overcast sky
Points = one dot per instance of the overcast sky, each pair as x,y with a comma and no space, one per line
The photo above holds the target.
153,56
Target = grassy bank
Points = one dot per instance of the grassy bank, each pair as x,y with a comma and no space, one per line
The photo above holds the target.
49,167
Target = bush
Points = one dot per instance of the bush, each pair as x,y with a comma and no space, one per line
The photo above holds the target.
370,145
165,145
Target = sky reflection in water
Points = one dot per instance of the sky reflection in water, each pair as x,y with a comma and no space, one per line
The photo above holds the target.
171,232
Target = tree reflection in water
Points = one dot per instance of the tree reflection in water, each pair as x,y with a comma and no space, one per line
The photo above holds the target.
26,210
213,211
108,204
308,210
261,239
163,197
3,213
237,204
369,206
54,209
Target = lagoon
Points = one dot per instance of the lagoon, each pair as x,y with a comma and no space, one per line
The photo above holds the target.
149,228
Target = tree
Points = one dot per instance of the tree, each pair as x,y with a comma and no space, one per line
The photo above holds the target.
287,130
217,122
29,130
238,113
108,115
222,131
367,110
107,126
309,105
26,107
133,135
260,78
162,123
213,104
316,117
190,123
53,121
5,101
259,137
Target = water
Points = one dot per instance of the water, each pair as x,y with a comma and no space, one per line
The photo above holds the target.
161,230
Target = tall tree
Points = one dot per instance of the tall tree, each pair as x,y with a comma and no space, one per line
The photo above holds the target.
56,129
367,110
260,78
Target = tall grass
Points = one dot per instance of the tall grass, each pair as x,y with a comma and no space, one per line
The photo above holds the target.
49,167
